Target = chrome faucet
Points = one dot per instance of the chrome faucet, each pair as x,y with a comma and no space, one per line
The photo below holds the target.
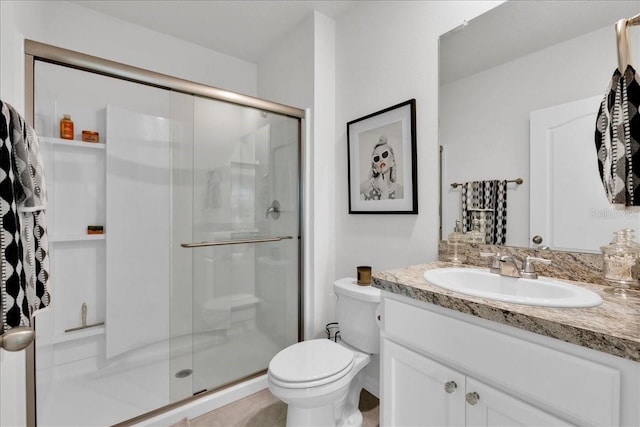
495,261
507,265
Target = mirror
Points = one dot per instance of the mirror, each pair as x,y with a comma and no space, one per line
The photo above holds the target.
517,61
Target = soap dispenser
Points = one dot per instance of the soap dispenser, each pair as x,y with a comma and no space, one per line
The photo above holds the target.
475,236
621,261
457,245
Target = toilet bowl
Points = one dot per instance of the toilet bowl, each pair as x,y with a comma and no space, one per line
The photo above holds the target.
321,380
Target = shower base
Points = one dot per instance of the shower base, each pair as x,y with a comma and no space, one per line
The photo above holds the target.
87,394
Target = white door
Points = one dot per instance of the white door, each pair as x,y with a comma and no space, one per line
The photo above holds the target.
417,391
490,407
568,206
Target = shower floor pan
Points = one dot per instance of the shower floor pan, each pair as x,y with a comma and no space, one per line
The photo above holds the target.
82,394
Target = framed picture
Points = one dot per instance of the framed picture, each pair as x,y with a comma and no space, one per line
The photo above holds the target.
382,161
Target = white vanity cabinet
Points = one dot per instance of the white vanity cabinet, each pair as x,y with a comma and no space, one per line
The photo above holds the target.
440,367
421,392
413,385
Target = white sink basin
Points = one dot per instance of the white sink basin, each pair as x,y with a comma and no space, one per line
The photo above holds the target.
543,292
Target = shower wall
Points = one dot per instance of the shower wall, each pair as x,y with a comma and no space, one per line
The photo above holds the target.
77,197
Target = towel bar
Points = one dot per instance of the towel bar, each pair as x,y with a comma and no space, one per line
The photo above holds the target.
517,181
234,242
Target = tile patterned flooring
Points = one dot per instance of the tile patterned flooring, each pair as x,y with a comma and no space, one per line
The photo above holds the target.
262,409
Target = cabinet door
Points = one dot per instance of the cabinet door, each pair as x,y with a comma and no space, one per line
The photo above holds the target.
490,407
417,391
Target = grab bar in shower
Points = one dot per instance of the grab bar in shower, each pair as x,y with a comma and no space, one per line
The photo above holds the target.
234,242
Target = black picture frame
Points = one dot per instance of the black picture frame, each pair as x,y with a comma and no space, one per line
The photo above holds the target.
382,163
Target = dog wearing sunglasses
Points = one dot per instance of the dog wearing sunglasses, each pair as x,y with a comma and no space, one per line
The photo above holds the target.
381,183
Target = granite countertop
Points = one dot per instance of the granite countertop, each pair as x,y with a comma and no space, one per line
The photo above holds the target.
613,327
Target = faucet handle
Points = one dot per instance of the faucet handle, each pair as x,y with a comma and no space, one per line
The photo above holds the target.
490,254
528,268
495,263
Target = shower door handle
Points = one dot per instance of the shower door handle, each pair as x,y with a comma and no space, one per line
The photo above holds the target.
234,242
17,339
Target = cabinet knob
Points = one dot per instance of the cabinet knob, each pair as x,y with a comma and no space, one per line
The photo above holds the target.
472,398
450,386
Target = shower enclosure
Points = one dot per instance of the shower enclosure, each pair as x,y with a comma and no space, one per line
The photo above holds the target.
194,283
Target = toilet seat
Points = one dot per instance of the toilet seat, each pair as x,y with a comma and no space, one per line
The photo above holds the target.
311,363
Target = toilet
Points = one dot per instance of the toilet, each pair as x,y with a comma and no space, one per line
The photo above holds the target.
321,380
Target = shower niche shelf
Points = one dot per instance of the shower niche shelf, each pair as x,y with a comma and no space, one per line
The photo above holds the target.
77,335
75,172
72,143
76,186
63,238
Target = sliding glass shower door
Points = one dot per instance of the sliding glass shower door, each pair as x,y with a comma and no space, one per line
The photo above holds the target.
146,314
244,240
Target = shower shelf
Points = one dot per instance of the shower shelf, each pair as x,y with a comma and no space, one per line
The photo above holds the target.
76,335
76,237
73,143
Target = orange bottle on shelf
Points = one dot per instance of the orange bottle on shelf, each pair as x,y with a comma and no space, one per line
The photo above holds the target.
66,127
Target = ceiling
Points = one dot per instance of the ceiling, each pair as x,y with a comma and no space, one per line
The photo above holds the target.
518,28
242,28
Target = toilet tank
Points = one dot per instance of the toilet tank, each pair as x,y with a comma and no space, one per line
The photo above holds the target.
356,312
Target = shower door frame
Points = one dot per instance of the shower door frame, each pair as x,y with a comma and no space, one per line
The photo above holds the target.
55,55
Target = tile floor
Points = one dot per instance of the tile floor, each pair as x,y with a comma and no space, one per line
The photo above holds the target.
262,409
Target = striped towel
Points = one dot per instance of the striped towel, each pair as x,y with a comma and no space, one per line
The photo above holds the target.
23,232
617,139
490,195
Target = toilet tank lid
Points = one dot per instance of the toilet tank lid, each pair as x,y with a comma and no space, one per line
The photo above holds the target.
349,286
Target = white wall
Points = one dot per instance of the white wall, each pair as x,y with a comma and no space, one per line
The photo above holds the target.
285,75
74,27
324,172
386,53
300,71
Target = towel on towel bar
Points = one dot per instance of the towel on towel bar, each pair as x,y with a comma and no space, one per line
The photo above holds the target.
617,139
490,194
23,244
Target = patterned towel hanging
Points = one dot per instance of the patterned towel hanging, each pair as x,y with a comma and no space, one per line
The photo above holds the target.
491,195
617,139
23,231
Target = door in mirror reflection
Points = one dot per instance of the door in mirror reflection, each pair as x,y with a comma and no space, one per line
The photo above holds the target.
569,208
